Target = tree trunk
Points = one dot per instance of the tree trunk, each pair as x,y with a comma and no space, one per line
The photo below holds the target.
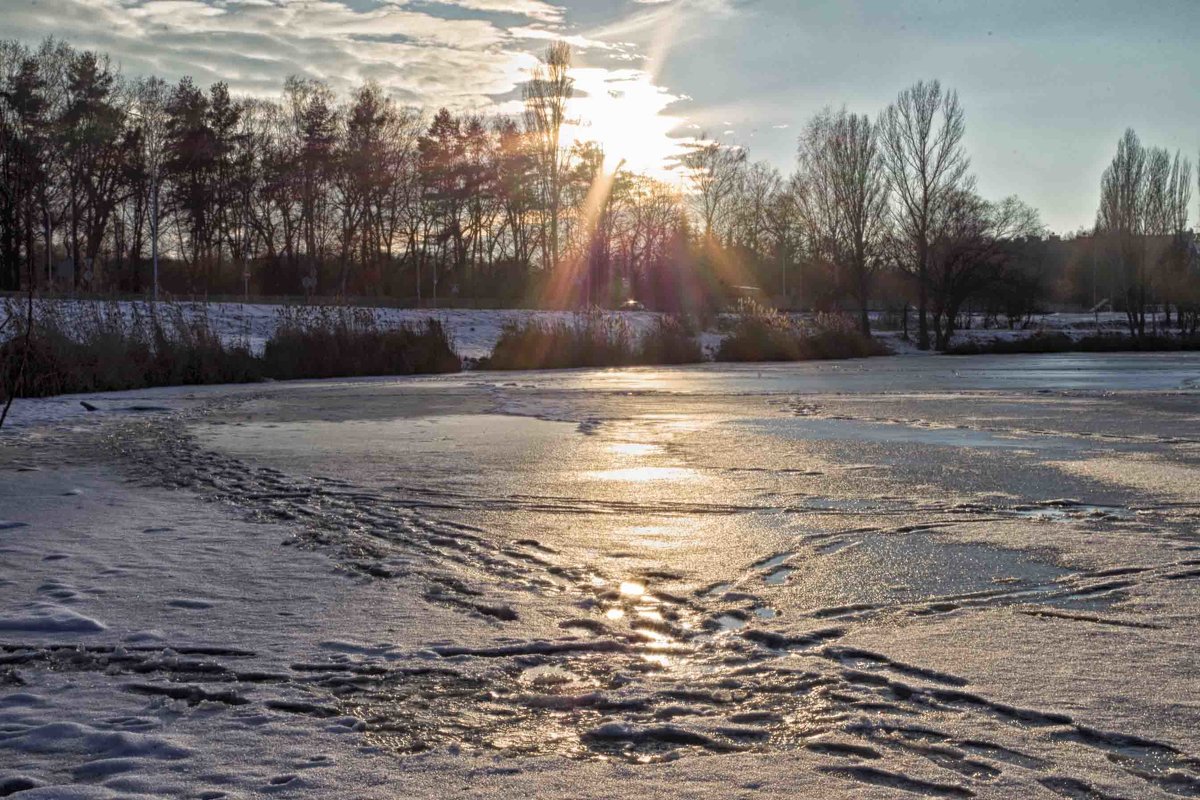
923,297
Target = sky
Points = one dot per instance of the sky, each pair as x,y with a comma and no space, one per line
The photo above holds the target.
1048,86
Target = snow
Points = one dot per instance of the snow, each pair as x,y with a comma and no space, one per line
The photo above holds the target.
49,618
887,578
474,334
475,331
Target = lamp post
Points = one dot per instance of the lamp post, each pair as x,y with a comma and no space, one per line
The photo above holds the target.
154,224
148,109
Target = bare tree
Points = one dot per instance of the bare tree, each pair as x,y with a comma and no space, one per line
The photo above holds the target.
845,199
784,227
972,246
546,97
1168,193
150,110
821,222
921,136
759,184
1123,221
714,173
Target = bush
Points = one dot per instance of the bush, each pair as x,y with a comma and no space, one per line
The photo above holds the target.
760,334
344,341
592,339
96,347
1062,343
763,334
671,341
101,347
1038,343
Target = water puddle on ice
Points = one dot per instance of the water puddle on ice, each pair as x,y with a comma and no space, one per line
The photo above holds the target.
808,428
729,622
773,561
778,577
884,569
1065,510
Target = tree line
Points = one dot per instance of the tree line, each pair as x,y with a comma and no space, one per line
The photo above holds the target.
106,179
115,184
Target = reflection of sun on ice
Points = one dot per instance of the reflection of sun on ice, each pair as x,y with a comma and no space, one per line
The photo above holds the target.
632,589
656,537
657,659
633,449
643,474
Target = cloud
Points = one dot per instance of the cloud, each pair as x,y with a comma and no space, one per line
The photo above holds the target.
467,55
533,9
576,41
253,45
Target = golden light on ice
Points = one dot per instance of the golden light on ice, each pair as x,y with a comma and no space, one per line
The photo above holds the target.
633,448
632,589
643,474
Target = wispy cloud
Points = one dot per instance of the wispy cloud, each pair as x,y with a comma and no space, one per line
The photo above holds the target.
534,9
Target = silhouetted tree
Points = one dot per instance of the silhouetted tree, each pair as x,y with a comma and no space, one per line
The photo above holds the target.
844,199
714,173
921,136
546,95
973,244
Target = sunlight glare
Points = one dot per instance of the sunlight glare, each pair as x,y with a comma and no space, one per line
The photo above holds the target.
622,110
643,474
632,588
633,449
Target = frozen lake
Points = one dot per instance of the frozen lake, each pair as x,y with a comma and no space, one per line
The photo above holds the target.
944,577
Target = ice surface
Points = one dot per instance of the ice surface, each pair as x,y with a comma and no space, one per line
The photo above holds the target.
956,578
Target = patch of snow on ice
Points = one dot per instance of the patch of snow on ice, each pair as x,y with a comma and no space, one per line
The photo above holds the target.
49,618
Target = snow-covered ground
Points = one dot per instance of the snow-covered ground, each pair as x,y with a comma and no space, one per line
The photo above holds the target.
971,577
475,331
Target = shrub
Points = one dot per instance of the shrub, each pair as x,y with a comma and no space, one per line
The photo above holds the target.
760,334
344,341
97,347
592,339
1116,343
186,349
671,341
100,347
838,336
763,334
1062,343
1038,343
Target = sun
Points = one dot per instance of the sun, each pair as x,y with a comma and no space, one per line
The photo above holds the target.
625,113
